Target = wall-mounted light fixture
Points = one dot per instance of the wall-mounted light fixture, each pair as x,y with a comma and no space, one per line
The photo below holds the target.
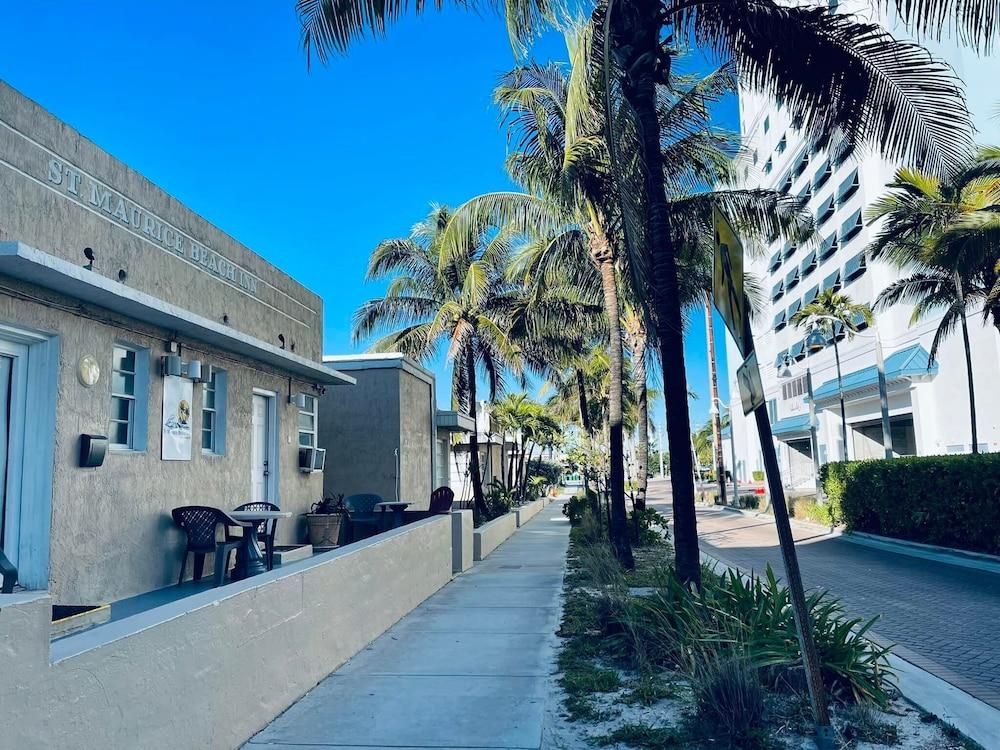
172,364
298,400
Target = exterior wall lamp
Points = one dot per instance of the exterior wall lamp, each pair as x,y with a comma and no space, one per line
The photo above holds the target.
172,364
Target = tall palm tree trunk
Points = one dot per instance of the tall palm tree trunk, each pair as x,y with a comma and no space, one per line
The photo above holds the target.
642,441
479,500
713,378
840,391
637,26
618,522
972,388
581,392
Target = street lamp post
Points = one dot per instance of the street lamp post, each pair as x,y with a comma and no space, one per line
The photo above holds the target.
716,403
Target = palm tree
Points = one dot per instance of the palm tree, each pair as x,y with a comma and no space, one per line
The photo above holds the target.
876,89
946,232
466,303
834,314
637,341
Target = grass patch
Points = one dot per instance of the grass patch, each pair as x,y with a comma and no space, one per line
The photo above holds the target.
865,725
650,689
644,736
585,679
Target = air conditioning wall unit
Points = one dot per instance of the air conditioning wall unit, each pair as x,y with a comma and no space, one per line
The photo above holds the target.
311,459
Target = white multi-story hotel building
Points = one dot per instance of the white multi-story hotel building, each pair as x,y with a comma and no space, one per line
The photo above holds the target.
928,403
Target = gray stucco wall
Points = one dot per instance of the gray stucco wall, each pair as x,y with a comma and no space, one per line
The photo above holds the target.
359,427
112,535
183,675
48,175
415,416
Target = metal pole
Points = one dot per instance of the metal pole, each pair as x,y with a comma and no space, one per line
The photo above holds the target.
813,439
659,432
883,397
713,380
810,658
732,449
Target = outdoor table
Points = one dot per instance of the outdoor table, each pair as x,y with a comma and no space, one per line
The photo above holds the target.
249,560
397,507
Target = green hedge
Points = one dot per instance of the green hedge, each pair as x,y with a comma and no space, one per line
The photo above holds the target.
951,501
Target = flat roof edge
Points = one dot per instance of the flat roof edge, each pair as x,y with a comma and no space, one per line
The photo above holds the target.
23,262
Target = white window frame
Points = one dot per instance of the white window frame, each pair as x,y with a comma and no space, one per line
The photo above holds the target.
314,413
138,415
217,384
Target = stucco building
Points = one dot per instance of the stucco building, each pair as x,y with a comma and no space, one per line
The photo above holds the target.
126,317
385,434
928,402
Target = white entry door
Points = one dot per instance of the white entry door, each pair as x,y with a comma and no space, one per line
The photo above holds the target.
261,450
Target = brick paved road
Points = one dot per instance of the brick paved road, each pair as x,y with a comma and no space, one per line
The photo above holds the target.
944,618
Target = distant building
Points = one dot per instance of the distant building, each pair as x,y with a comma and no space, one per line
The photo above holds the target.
928,404
385,434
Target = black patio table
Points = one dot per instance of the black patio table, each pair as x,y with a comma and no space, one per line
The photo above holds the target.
397,507
249,560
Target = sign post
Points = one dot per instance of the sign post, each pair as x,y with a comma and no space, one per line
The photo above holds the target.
731,302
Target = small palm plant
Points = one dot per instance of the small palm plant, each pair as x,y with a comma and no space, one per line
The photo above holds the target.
946,233
833,313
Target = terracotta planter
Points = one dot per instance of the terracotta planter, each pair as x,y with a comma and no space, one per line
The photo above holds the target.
324,529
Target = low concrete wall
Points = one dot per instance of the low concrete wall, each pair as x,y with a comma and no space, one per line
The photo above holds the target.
214,668
461,540
491,535
528,511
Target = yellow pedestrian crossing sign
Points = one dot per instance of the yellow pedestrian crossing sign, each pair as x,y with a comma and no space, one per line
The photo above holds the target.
727,283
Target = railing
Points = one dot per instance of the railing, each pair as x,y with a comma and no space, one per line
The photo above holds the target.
8,573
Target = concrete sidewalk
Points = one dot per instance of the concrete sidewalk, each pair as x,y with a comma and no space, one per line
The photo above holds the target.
465,669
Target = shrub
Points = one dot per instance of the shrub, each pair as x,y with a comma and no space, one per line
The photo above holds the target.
758,476
552,472
952,501
575,508
650,527
729,695
498,501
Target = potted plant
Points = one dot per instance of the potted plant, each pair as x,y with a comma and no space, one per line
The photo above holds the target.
324,521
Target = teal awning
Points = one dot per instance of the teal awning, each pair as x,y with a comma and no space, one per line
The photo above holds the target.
779,289
833,281
902,367
851,227
790,426
822,175
775,262
809,264
779,360
794,308
803,162
825,212
790,249
798,351
855,267
848,187
779,321
811,295
792,278
829,247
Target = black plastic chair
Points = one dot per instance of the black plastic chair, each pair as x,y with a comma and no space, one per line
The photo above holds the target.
201,522
265,529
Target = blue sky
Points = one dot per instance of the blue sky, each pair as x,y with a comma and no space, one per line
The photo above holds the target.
214,103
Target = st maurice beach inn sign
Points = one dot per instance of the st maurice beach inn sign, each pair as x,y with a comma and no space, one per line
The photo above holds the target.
96,196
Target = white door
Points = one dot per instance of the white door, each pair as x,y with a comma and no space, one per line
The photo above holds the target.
260,450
